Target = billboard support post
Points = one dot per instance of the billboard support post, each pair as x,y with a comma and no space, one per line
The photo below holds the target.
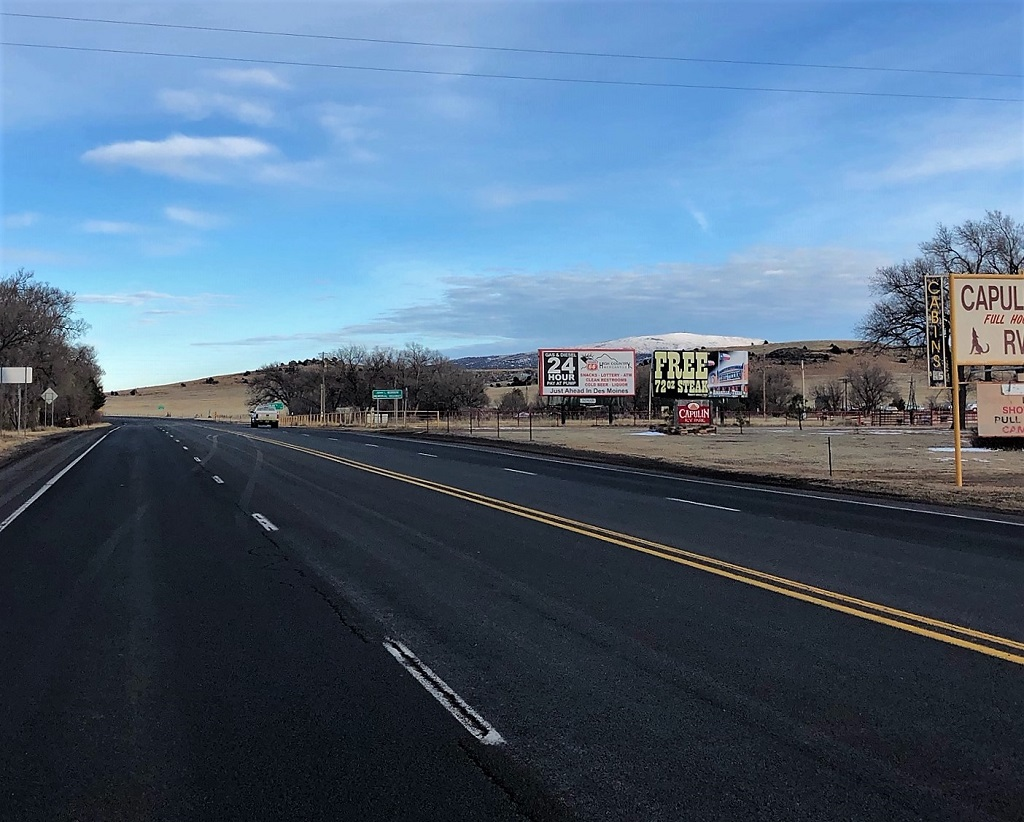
954,369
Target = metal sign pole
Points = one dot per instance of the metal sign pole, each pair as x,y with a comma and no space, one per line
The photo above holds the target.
957,451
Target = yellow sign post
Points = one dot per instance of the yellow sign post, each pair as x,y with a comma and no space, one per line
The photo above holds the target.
986,327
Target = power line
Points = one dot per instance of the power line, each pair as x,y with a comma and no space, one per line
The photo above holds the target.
489,76
507,49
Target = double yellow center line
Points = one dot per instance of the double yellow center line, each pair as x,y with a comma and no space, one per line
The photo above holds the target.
958,635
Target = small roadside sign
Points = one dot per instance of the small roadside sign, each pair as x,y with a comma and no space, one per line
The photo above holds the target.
49,395
388,393
588,400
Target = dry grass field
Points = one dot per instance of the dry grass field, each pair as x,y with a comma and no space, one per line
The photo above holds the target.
12,442
225,400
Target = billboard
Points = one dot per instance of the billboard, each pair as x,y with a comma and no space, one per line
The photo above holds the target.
678,374
937,332
1001,409
585,372
682,374
693,413
728,374
986,315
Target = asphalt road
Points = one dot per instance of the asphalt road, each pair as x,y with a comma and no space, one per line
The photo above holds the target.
211,622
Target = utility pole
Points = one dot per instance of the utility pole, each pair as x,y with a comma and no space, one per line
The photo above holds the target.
764,391
323,386
803,390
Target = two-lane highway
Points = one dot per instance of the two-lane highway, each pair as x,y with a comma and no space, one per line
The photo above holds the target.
206,621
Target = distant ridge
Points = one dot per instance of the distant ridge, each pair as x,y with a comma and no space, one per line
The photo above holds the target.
643,345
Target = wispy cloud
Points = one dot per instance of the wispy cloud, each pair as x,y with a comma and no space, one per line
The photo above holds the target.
347,125
193,218
24,219
159,302
512,196
700,218
957,154
199,105
325,337
196,158
260,77
109,227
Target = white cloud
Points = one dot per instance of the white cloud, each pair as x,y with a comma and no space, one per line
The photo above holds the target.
23,219
264,78
198,105
109,227
193,218
511,196
196,158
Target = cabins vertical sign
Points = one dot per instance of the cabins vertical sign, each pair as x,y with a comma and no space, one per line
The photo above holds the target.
936,332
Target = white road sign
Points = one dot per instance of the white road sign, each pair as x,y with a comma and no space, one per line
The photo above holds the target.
987,319
16,375
50,395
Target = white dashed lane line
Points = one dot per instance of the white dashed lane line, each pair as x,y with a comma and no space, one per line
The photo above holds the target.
370,445
218,480
703,504
425,454
184,448
197,459
266,523
517,471
439,689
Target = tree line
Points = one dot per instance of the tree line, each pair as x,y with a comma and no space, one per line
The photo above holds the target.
39,329
349,375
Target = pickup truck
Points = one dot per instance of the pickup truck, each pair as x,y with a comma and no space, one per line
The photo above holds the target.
264,415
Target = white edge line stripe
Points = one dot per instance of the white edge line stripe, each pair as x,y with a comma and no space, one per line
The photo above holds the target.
218,480
266,523
717,483
440,690
703,504
517,471
49,483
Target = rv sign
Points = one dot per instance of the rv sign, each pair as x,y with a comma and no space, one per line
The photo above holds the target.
987,319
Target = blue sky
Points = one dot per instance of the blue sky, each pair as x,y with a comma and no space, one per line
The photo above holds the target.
214,216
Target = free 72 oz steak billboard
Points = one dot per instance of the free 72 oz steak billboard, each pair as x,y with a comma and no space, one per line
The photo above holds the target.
693,412
583,372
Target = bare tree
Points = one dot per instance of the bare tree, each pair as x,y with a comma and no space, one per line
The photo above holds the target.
992,245
513,402
829,396
38,328
772,387
870,385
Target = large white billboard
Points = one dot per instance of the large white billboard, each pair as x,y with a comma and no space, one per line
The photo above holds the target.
987,319
586,372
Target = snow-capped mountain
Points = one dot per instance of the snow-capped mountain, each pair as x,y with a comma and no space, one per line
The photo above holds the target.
676,341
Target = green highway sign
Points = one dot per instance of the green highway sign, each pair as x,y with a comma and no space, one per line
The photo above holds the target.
388,393
279,405
159,408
